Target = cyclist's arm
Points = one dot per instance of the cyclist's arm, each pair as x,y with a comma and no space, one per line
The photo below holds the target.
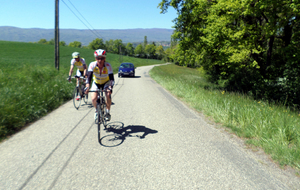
84,67
89,78
88,81
110,74
71,71
84,72
112,79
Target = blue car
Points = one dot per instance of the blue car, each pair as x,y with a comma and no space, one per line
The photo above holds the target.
126,69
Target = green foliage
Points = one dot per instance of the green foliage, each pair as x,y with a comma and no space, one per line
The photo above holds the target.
273,128
75,44
97,44
109,45
42,41
51,42
118,47
145,41
129,49
160,52
139,50
62,43
246,45
150,50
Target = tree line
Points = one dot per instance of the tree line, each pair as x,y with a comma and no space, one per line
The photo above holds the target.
142,50
250,46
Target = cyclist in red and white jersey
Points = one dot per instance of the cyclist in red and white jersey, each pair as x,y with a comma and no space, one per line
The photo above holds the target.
103,77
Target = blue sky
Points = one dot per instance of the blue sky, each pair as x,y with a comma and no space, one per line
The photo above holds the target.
91,14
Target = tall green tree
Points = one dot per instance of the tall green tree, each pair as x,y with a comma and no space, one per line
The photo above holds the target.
139,50
75,44
118,46
249,44
159,51
42,41
51,42
129,49
109,45
145,41
62,43
150,50
97,44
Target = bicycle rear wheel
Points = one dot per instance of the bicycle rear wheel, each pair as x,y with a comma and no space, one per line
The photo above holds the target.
101,115
76,98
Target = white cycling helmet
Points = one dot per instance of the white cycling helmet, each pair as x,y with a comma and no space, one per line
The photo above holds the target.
100,52
75,55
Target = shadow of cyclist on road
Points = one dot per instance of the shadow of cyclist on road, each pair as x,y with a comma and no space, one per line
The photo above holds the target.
130,130
117,133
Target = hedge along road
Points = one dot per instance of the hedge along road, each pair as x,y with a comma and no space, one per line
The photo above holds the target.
153,142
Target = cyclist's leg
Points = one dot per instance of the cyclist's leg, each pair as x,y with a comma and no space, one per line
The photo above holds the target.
94,99
108,100
78,74
81,82
94,94
108,95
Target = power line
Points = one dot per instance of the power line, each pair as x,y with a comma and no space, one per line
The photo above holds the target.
80,19
81,15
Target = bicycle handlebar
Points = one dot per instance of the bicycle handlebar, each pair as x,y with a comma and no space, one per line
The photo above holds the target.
81,77
98,90
78,77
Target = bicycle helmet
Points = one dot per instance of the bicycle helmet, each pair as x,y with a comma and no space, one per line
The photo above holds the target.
75,55
100,52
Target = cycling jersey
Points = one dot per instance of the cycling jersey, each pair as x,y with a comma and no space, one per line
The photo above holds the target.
100,77
79,64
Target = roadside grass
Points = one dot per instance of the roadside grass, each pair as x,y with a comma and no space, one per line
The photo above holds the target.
274,128
30,85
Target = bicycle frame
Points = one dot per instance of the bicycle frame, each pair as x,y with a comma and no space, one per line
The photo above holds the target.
78,92
101,106
80,80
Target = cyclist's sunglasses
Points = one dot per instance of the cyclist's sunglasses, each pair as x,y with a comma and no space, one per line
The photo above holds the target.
100,58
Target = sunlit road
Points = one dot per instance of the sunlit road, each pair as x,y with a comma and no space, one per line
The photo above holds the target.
154,142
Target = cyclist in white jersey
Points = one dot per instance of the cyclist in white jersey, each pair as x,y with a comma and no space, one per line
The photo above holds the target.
81,68
103,77
80,64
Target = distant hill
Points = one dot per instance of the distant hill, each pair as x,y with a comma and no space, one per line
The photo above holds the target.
8,33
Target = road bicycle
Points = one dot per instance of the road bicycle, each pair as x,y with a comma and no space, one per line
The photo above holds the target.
101,107
78,93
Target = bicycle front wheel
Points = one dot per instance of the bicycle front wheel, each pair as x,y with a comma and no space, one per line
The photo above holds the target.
76,98
103,108
99,120
85,98
99,114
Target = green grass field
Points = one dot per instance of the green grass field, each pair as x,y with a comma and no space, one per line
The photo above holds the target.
274,128
30,85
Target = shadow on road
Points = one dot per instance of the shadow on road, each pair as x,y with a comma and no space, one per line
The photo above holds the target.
120,133
88,105
130,77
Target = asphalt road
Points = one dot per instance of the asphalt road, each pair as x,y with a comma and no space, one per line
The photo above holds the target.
153,142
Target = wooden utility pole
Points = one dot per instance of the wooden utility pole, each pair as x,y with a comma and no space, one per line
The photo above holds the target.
56,35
